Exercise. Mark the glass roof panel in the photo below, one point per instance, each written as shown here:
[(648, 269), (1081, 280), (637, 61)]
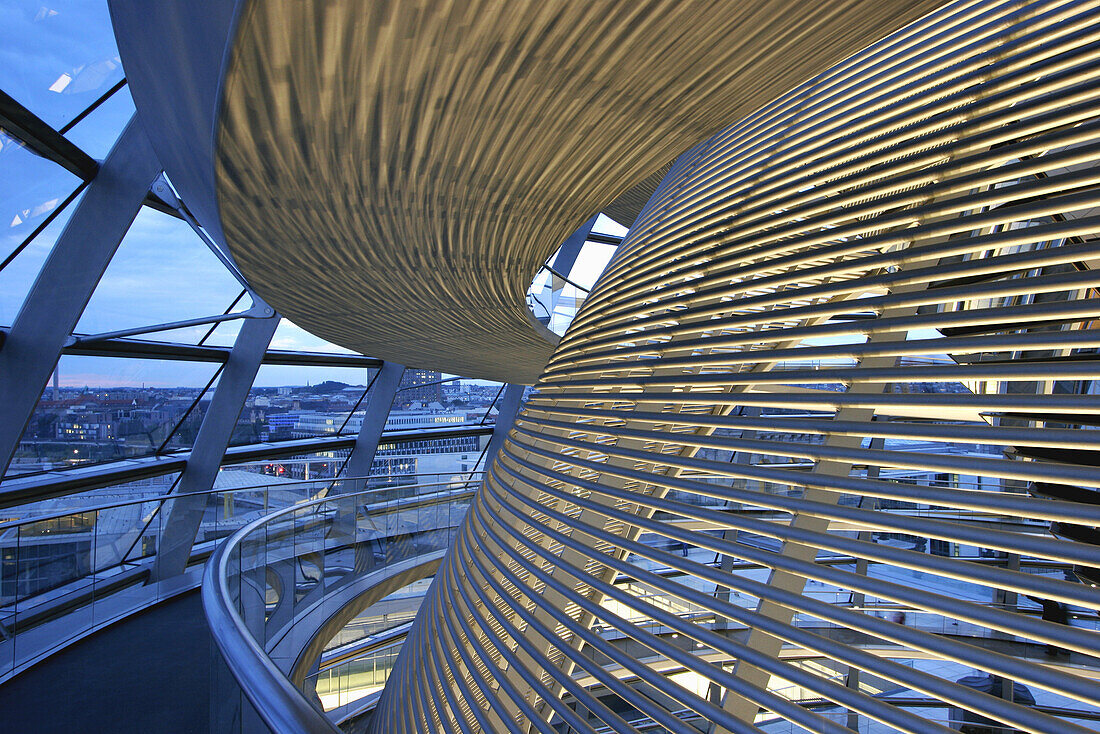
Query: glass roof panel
[(97, 132), (316, 465), (223, 334), (606, 225), (162, 272), (289, 335), (108, 408), (78, 501), (30, 188), (590, 263), (288, 402), (24, 207), (57, 56)]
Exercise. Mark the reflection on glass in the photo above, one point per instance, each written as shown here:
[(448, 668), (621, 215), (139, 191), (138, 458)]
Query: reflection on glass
[(314, 466), (80, 501), (395, 610), (57, 57), (85, 550), (292, 564), (554, 296), (97, 132), (30, 188)]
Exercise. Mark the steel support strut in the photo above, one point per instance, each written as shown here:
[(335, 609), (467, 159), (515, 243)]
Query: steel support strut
[(184, 519), (66, 282), (374, 421)]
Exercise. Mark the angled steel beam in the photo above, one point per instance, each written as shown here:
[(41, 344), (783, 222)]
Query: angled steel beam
[(210, 444), (27, 127), (572, 247), (556, 272), (257, 311), (378, 408), (46, 222), (506, 416), (155, 202), (19, 490), (605, 239), (148, 349), (92, 107), (66, 281)]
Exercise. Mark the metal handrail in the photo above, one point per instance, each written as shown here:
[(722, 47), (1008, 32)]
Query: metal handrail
[(44, 599), (281, 705), (372, 643)]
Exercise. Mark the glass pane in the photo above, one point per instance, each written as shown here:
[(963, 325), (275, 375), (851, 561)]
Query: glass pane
[(319, 465), (120, 531), (476, 401), (436, 460), (58, 56), (224, 334), (47, 561), (290, 336), (18, 276), (591, 261), (137, 489), (103, 408), (162, 272), (429, 399), (288, 402), (394, 610), (424, 403), (555, 296), (97, 132), (606, 225)]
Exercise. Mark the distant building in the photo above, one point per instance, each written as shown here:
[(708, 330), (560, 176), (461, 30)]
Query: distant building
[(320, 424), (284, 422), (84, 428), (422, 419), (420, 386)]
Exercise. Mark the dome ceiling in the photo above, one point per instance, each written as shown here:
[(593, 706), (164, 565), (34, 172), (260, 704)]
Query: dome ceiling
[(391, 175)]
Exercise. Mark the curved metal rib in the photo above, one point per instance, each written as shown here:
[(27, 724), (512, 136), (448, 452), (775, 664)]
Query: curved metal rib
[(845, 358)]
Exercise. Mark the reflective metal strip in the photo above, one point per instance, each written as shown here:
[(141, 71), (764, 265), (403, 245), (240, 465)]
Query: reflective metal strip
[(858, 323)]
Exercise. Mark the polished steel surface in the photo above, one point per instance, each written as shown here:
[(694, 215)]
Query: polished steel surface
[(844, 362), (391, 175)]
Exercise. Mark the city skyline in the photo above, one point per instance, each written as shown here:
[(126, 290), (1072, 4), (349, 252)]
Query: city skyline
[(75, 425)]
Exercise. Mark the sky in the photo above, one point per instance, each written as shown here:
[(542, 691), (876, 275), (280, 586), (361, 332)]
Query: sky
[(56, 61)]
